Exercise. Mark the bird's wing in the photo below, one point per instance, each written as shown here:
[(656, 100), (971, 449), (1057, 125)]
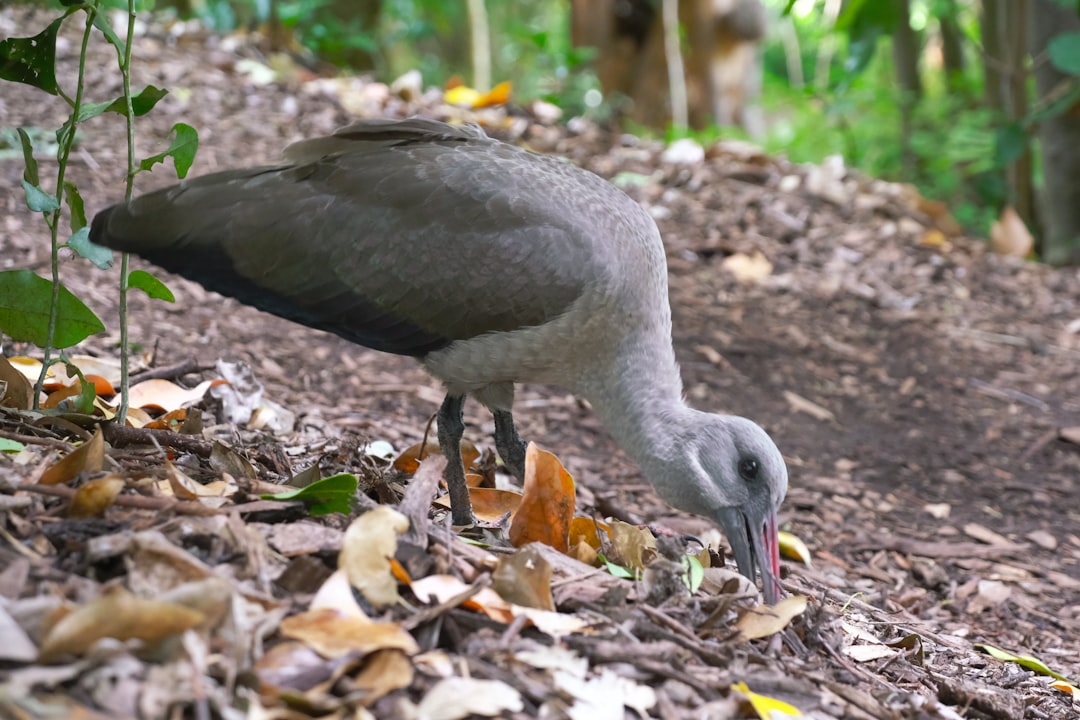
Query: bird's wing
[(397, 239)]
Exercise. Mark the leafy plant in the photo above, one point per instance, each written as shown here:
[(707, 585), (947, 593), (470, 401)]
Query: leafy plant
[(40, 310)]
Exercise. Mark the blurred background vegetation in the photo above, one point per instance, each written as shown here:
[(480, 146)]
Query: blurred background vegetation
[(953, 96)]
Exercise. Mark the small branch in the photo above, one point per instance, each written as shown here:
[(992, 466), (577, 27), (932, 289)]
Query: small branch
[(676, 71)]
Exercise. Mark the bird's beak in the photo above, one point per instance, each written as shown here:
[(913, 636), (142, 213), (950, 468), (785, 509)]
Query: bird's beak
[(756, 546)]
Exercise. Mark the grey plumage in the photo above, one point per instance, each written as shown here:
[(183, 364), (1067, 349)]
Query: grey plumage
[(490, 264)]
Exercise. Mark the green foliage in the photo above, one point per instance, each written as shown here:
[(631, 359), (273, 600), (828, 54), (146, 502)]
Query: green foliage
[(150, 285), (26, 302), (329, 495)]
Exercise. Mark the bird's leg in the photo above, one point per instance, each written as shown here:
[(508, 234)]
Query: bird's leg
[(509, 444), (451, 428)]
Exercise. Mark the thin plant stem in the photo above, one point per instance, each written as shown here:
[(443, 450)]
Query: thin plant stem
[(125, 260), (67, 139)]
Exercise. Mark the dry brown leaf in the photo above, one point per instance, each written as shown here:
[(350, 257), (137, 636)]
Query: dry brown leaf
[(94, 497), (334, 635), (765, 620), (409, 459), (586, 530), (547, 505), (89, 457), (336, 594), (524, 578), (18, 392), (631, 546), (289, 667), (383, 672), (1010, 236), (369, 545), (116, 614)]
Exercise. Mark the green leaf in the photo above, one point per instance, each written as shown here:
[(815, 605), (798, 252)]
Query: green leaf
[(695, 574), (32, 60), (75, 203), (11, 445), (84, 402), (182, 150), (333, 494), (1064, 52), (150, 285), (80, 243), (101, 22), (141, 104), (617, 570), (1010, 142), (38, 200), (24, 311), (1031, 663), (30, 174)]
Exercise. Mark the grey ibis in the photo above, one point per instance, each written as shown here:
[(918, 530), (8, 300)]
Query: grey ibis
[(490, 264)]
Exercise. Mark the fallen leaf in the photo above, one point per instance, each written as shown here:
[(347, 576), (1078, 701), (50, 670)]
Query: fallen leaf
[(765, 620), (335, 635), (164, 395), (445, 587), (868, 653), (547, 505), (490, 505), (792, 547), (1028, 661), (458, 697), (631, 546), (116, 614), (369, 545), (767, 708), (409, 459), (1010, 236), (383, 672), (17, 391), (524, 578), (88, 457), (94, 497), (605, 695)]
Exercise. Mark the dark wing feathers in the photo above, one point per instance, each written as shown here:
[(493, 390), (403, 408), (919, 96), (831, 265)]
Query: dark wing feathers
[(399, 236)]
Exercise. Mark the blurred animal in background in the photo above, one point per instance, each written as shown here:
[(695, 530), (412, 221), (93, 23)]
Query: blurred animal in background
[(722, 47)]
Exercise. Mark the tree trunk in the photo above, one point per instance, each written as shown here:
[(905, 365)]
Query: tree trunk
[(1059, 241), (990, 27), (906, 61), (1015, 98), (952, 47)]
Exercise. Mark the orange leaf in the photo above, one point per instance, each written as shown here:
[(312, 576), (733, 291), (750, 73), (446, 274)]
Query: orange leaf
[(583, 529), (498, 95), (90, 456), (547, 505), (409, 458), (489, 504)]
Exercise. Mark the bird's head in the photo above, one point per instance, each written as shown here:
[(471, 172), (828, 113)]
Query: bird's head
[(737, 478)]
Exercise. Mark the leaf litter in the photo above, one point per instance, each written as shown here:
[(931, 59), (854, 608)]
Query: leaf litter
[(873, 253)]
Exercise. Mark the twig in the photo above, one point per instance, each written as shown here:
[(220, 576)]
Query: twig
[(158, 503), (170, 372)]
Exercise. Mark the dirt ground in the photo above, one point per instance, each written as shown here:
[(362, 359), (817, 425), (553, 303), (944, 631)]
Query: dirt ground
[(916, 383)]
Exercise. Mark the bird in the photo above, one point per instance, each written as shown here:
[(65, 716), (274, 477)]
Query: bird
[(490, 264)]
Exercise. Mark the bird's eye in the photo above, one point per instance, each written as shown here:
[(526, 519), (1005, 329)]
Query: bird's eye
[(748, 469)]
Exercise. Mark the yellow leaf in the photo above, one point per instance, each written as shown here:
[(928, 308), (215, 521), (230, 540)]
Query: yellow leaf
[(1010, 236), (792, 547), (1067, 687), (462, 95), (1031, 663), (767, 708)]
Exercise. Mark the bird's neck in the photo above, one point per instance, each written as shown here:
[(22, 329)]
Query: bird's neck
[(642, 406)]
